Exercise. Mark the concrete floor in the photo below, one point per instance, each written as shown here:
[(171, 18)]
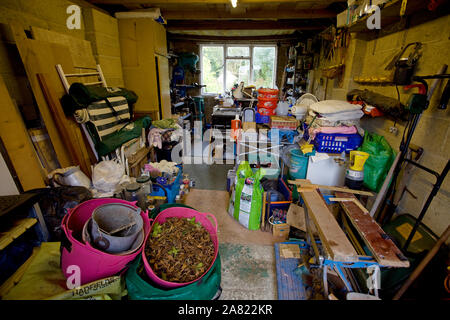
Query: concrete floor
[(211, 177), (248, 258)]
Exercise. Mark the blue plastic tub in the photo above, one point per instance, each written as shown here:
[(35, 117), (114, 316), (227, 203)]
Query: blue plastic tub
[(172, 189)]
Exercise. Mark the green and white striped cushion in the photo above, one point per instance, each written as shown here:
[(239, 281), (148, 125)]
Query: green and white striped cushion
[(102, 116)]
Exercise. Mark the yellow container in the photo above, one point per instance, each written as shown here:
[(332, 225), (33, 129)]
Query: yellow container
[(357, 160), (307, 148)]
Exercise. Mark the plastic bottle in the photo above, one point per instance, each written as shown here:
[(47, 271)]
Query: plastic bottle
[(235, 126)]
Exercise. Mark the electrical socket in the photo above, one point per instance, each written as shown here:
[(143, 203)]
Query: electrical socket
[(393, 130)]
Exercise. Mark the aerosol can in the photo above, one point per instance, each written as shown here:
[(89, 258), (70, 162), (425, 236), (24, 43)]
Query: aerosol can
[(354, 177)]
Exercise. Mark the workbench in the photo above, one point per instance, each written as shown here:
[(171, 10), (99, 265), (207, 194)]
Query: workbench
[(337, 247)]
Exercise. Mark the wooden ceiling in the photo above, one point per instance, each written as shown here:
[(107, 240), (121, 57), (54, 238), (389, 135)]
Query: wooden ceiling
[(215, 16)]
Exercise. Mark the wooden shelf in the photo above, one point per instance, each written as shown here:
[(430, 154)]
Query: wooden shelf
[(390, 13), (19, 228)]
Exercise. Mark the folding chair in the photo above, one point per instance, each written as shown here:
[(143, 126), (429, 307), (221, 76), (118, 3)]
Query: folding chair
[(128, 147)]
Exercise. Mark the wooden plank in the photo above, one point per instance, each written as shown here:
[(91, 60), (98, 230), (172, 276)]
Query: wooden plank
[(305, 183), (139, 67), (19, 228), (182, 2), (80, 52), (241, 25), (354, 200), (263, 218), (288, 38), (164, 85), (42, 57), (384, 250), (18, 144), (80, 49), (249, 14), (59, 118), (44, 148), (333, 238), (33, 55)]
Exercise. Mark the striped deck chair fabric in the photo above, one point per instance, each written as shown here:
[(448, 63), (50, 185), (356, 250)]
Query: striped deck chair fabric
[(109, 116)]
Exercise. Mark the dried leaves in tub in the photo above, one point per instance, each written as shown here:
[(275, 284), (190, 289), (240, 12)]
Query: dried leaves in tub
[(179, 250)]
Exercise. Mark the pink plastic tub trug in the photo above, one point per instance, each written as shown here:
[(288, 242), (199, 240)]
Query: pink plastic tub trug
[(181, 212), (92, 263)]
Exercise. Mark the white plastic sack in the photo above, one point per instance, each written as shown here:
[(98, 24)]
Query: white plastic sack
[(107, 175)]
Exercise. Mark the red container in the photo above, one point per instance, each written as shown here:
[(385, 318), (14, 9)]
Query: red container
[(266, 112), (180, 212), (266, 93), (267, 103)]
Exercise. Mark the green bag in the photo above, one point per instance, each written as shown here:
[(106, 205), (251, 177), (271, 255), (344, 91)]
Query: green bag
[(207, 288), (248, 202), (85, 95), (243, 172), (152, 214), (378, 164)]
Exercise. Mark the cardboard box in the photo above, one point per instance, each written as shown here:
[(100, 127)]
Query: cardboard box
[(296, 217), (248, 125), (283, 122), (281, 231)]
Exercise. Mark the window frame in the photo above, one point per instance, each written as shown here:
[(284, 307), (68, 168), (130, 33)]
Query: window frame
[(225, 47)]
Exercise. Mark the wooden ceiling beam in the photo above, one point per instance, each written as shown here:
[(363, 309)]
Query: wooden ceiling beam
[(240, 25), (184, 2), (249, 14), (270, 38)]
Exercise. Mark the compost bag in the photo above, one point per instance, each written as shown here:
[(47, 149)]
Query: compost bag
[(242, 173), (248, 196), (379, 162), (140, 288)]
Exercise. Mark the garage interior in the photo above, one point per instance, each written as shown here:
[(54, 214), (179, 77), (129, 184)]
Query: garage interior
[(253, 149)]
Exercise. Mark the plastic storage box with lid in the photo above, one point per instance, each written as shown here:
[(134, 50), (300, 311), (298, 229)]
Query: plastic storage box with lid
[(334, 142), (172, 188)]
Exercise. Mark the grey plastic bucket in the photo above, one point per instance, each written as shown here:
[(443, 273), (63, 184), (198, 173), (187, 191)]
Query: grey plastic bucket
[(113, 216)]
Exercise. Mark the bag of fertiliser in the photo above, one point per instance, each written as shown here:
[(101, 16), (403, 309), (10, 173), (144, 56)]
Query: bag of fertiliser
[(244, 171), (248, 200)]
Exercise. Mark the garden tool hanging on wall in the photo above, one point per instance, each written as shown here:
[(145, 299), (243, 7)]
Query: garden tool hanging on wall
[(404, 67)]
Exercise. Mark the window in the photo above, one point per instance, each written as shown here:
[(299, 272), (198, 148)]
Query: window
[(223, 66)]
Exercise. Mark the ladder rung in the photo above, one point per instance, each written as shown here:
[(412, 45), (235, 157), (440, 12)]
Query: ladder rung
[(82, 74), (91, 83)]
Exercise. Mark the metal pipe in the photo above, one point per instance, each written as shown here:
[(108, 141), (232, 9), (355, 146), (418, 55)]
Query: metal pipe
[(433, 193), (436, 76), (423, 168)]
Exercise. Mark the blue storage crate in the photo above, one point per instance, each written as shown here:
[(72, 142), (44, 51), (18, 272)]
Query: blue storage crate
[(284, 189), (334, 142), (261, 118), (172, 189)]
